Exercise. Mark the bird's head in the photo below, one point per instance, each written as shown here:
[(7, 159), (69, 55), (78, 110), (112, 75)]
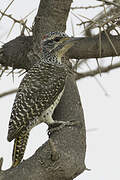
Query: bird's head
[(57, 43)]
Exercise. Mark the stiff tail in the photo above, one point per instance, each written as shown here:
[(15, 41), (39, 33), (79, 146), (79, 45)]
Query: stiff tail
[(19, 148)]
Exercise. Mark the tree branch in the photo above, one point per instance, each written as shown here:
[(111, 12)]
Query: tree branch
[(14, 53), (86, 47), (8, 93)]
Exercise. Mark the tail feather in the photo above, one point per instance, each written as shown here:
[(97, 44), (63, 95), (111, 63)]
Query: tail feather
[(19, 148)]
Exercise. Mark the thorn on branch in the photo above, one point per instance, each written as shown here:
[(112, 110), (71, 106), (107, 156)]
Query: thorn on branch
[(2, 71), (6, 9), (87, 169), (23, 72), (11, 72)]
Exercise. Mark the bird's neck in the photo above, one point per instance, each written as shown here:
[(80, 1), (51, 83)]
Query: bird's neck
[(51, 58)]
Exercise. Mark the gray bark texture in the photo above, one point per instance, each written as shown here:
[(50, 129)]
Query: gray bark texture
[(69, 142)]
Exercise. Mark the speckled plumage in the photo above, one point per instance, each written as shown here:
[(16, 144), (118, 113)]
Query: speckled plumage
[(38, 94)]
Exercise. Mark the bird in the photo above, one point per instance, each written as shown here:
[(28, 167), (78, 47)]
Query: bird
[(39, 92)]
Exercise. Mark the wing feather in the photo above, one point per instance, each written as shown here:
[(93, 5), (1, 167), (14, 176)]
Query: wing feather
[(38, 90)]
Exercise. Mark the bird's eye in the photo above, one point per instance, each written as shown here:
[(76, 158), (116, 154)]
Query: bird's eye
[(57, 39)]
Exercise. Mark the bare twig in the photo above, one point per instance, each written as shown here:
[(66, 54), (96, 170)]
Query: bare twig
[(100, 44), (21, 21), (29, 14), (6, 9), (86, 7), (11, 29), (110, 3), (92, 20), (98, 66), (76, 16), (8, 93), (110, 41), (3, 70), (96, 71), (106, 17), (72, 25)]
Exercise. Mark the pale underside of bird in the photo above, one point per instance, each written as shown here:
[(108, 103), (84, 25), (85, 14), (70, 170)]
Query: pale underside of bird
[(39, 92)]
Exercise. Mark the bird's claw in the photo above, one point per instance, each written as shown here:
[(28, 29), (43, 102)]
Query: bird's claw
[(57, 125)]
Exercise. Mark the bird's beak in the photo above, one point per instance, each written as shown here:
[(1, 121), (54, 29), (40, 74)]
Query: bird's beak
[(69, 40), (66, 44)]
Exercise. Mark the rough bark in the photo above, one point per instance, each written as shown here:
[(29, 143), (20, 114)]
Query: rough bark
[(14, 53), (70, 142), (89, 47)]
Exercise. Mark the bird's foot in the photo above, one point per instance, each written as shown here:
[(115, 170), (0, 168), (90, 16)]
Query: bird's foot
[(57, 125)]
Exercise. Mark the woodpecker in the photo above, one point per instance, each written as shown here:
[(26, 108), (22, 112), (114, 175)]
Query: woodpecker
[(39, 92)]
